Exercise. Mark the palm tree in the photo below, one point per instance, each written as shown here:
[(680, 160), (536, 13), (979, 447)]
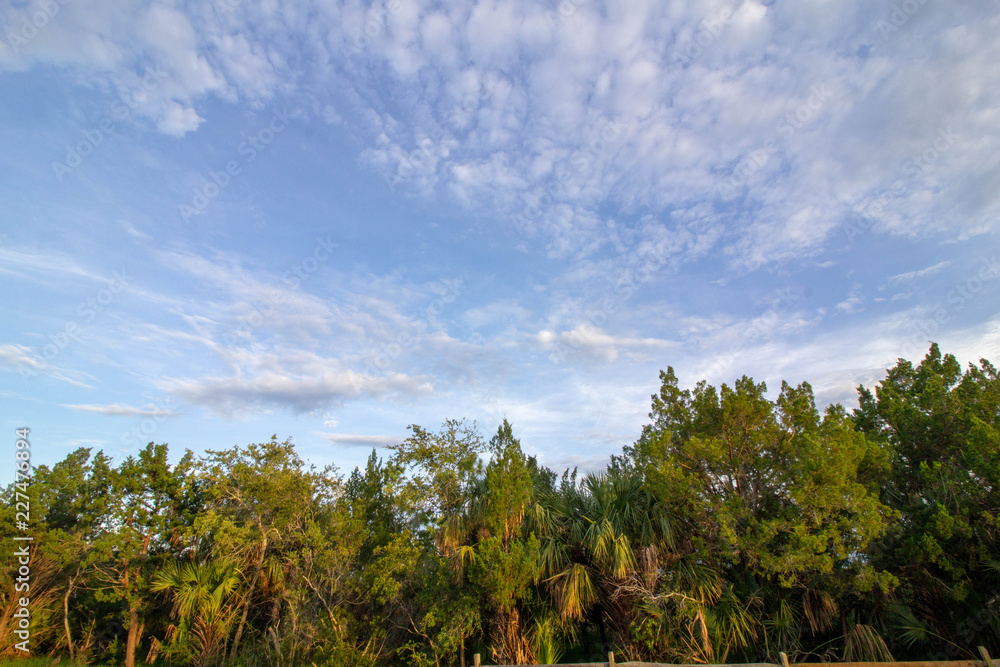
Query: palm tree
[(602, 545), (205, 602)]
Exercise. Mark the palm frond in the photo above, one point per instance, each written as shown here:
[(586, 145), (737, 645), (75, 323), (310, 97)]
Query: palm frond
[(574, 591), (820, 610), (548, 648), (864, 644), (552, 557), (732, 623), (909, 629), (698, 580)]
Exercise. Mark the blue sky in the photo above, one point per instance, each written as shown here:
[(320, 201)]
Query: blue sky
[(227, 220)]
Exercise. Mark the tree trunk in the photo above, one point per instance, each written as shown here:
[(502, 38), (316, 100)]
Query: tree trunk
[(134, 626), (69, 637), (134, 634), (243, 617), (253, 587)]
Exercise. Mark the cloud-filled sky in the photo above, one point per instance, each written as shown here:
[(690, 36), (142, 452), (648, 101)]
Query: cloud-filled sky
[(329, 220)]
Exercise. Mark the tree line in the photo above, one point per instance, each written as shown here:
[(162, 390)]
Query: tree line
[(736, 527)]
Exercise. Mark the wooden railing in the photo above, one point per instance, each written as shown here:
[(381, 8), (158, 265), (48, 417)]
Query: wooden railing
[(986, 661)]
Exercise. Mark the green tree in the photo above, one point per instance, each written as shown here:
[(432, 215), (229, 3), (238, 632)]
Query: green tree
[(261, 503), (388, 568), (943, 429), (73, 499), (443, 470), (774, 500), (145, 511), (506, 560), (442, 467)]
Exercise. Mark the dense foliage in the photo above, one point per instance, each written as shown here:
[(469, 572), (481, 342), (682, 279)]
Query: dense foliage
[(736, 527)]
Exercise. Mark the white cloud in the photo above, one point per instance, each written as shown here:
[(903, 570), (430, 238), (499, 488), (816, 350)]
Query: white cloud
[(19, 355), (351, 440), (178, 120), (544, 83), (117, 46), (914, 275), (121, 410), (852, 304), (50, 268), (29, 363), (297, 380), (593, 342), (247, 65)]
